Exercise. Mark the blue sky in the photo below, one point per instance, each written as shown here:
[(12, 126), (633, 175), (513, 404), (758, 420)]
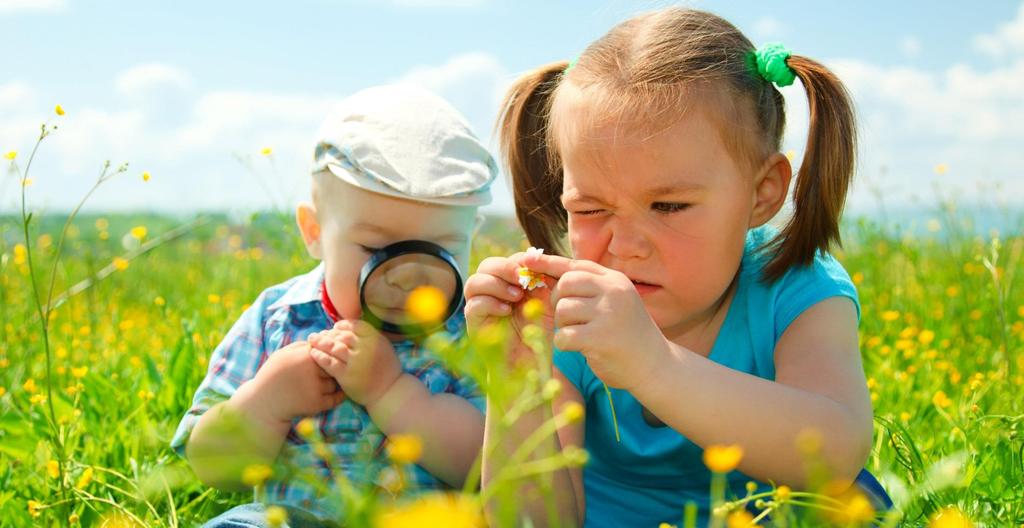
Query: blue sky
[(191, 91)]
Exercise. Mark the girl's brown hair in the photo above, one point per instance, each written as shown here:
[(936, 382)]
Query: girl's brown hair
[(643, 73)]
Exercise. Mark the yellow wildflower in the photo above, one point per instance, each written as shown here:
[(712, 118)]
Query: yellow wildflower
[(739, 519), (256, 474), (573, 411), (145, 176), (34, 507), (858, 509), (941, 400), (159, 301), (2, 392), (904, 416), (941, 169), (890, 315), (213, 298), (783, 493), (722, 459), (79, 372), (437, 509), (305, 428), (666, 525), (37, 399), (102, 224), (533, 309), (73, 518), (926, 337), (405, 449), (858, 278), (266, 151), (120, 263), (426, 304), (276, 516), (53, 469), (950, 517), (84, 479), (139, 232), (59, 110), (952, 291), (11, 155), (30, 386)]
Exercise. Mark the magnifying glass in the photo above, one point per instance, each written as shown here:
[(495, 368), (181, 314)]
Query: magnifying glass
[(395, 272)]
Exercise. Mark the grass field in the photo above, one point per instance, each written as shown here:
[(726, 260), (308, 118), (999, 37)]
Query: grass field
[(89, 405)]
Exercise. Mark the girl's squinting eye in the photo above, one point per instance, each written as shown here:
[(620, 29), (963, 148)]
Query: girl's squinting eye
[(588, 212), (669, 207), (368, 249)]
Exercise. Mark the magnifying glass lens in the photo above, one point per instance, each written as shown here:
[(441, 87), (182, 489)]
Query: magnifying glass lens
[(409, 290)]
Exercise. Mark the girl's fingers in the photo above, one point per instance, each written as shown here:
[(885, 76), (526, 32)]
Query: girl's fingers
[(479, 309), (573, 311), (556, 266), (501, 267), (489, 285), (575, 284), (570, 338)]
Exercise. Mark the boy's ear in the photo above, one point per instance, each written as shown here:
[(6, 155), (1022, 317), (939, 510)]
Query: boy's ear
[(309, 226), (771, 188)]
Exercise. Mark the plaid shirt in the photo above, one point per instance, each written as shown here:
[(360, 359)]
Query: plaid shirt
[(290, 312)]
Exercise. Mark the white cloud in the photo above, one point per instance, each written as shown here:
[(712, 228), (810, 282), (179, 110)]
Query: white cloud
[(190, 146), (768, 27), (146, 78), (14, 6), (15, 94), (910, 46), (1006, 40)]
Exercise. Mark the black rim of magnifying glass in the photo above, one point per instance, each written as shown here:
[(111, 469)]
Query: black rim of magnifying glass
[(398, 249)]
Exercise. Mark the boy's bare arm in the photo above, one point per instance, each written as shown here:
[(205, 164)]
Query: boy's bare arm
[(450, 427), (232, 435), (250, 428)]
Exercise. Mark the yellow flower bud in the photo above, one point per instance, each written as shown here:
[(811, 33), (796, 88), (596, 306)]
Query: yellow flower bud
[(405, 449), (722, 459)]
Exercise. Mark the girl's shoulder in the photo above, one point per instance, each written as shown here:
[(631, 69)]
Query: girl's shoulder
[(801, 286)]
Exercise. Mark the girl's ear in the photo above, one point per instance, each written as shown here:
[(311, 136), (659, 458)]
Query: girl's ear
[(309, 226), (771, 187)]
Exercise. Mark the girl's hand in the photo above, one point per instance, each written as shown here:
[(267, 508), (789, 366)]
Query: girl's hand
[(493, 294), (599, 313), (359, 357)]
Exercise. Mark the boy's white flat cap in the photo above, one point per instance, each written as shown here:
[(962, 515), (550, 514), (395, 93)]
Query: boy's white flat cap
[(401, 140)]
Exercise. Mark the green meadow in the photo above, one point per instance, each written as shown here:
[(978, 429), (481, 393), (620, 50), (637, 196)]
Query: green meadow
[(108, 322)]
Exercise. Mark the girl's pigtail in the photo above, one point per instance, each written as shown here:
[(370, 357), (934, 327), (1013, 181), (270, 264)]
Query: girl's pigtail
[(535, 171), (825, 172)]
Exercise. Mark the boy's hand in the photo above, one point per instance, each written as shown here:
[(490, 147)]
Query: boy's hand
[(359, 357), (493, 293), (288, 385)]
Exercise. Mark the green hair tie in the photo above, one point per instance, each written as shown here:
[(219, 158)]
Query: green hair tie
[(572, 63), (771, 64)]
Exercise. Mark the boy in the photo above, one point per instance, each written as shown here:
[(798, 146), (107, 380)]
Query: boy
[(393, 163)]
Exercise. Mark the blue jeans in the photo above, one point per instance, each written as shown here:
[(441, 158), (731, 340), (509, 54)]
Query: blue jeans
[(254, 515)]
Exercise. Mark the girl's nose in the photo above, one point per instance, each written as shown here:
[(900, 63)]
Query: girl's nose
[(628, 241)]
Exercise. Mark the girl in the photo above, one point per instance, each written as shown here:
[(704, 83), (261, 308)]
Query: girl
[(657, 153)]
